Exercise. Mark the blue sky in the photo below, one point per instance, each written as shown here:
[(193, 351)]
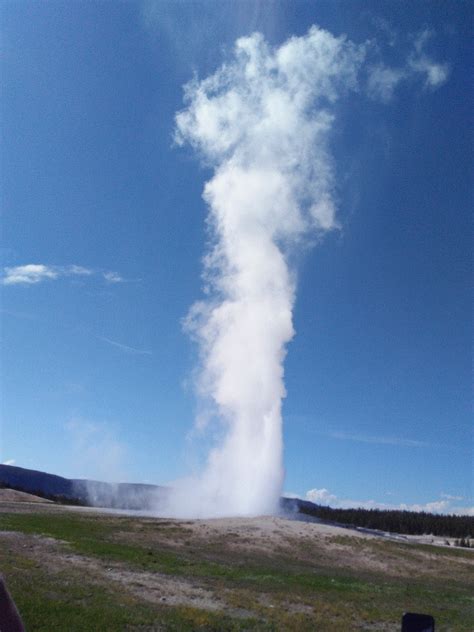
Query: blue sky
[(96, 369)]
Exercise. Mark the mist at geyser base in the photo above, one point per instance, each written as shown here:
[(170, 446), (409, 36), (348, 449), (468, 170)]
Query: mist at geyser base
[(262, 122)]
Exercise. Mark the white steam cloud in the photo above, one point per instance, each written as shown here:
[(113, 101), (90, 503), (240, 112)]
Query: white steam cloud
[(262, 121)]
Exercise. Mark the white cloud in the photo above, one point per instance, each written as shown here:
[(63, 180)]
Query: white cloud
[(80, 270), (29, 274), (383, 81), (435, 506), (113, 277), (435, 74), (32, 273), (9, 462), (445, 506), (320, 496)]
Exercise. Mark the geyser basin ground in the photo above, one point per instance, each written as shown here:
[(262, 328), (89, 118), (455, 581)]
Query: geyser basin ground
[(109, 573)]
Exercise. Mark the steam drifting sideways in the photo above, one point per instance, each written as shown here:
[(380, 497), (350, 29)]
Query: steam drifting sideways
[(262, 121)]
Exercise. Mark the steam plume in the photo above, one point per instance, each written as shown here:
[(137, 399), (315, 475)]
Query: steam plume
[(262, 122)]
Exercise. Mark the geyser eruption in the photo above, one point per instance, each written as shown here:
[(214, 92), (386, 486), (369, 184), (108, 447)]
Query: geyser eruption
[(262, 122)]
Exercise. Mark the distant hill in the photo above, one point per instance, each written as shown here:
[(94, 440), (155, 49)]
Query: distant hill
[(145, 497), (80, 491), (8, 495)]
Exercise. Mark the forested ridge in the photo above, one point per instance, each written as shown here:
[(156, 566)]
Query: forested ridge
[(409, 522)]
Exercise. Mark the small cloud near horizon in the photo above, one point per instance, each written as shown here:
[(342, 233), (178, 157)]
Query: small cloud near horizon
[(445, 505)]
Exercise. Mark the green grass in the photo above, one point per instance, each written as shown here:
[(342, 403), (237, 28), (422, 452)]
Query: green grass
[(68, 601), (269, 587), (92, 537)]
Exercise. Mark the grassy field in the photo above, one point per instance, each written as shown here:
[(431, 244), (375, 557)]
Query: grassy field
[(79, 571)]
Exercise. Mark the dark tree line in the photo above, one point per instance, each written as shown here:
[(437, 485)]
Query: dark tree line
[(409, 522)]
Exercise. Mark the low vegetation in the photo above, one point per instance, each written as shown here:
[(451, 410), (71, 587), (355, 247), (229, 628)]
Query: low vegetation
[(84, 572)]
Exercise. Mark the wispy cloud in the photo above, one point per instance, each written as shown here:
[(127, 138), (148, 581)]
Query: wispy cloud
[(324, 428), (443, 505), (435, 74), (113, 277), (379, 440), (125, 348), (384, 27), (383, 80), (79, 270), (33, 273), (451, 496), (9, 462)]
